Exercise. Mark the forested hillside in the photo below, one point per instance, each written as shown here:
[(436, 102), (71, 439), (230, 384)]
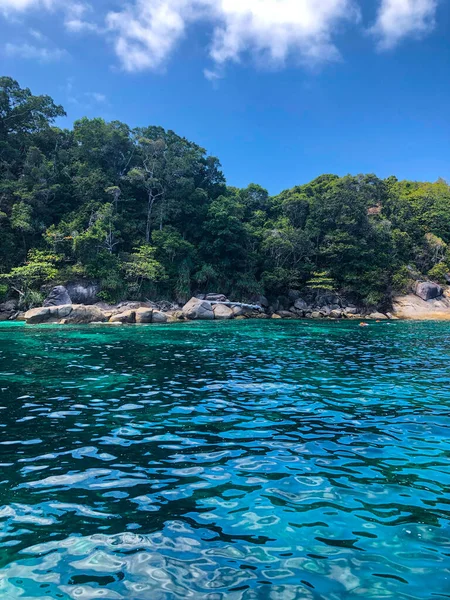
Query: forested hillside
[(148, 214)]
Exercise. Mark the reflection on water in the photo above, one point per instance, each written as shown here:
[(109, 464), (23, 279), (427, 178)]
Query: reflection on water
[(245, 460)]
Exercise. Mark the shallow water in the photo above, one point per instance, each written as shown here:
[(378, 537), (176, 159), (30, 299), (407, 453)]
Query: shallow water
[(242, 460)]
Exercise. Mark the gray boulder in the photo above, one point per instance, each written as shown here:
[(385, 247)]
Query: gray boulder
[(197, 309), (300, 304), (159, 317), (58, 297), (336, 313), (144, 315), (216, 298), (82, 293), (427, 290)]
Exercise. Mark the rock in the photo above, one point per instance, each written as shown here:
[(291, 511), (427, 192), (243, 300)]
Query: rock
[(216, 298), (286, 314), (144, 315), (159, 317), (222, 312), (9, 306), (83, 293), (178, 315), (350, 310), (293, 295), (391, 316), (58, 297), (198, 309), (85, 314), (336, 313), (275, 316), (127, 316), (300, 304), (37, 315), (261, 300), (239, 311), (377, 316), (240, 318), (283, 303), (427, 290), (325, 311), (316, 314), (5, 316)]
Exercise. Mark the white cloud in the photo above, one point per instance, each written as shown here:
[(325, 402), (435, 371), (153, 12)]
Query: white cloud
[(10, 6), (75, 18), (272, 30), (145, 33), (398, 19), (31, 52)]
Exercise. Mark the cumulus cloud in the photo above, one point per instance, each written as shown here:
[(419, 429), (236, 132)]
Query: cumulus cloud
[(31, 52), (398, 19), (147, 31)]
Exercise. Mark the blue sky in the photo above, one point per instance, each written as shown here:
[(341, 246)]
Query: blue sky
[(280, 90)]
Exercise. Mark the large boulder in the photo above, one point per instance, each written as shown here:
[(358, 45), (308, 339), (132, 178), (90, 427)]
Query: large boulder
[(8, 310), (144, 315), (222, 312), (300, 304), (261, 301), (83, 293), (198, 309), (127, 316), (216, 298), (86, 314), (58, 297), (427, 290), (47, 314), (159, 317), (37, 315)]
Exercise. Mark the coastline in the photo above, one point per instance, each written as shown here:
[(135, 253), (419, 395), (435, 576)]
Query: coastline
[(409, 307)]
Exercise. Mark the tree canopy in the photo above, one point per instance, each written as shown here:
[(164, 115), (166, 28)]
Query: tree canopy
[(148, 214)]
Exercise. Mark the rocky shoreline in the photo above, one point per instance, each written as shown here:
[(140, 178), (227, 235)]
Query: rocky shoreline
[(429, 301)]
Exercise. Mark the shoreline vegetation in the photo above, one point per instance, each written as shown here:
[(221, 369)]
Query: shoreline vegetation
[(104, 223)]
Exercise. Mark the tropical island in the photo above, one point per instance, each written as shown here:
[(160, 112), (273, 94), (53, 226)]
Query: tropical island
[(102, 222)]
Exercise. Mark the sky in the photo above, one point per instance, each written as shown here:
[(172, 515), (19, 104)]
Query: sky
[(281, 91)]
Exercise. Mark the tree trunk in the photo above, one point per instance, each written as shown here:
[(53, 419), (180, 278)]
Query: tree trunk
[(148, 229)]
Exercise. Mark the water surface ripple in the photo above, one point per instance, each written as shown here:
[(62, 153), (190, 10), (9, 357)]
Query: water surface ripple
[(228, 460)]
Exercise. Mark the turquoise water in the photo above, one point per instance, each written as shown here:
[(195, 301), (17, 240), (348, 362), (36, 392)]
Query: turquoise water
[(247, 460)]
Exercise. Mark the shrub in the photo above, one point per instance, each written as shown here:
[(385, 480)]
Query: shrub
[(438, 272)]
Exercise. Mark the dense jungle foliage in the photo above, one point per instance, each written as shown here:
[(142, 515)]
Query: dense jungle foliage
[(148, 214)]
